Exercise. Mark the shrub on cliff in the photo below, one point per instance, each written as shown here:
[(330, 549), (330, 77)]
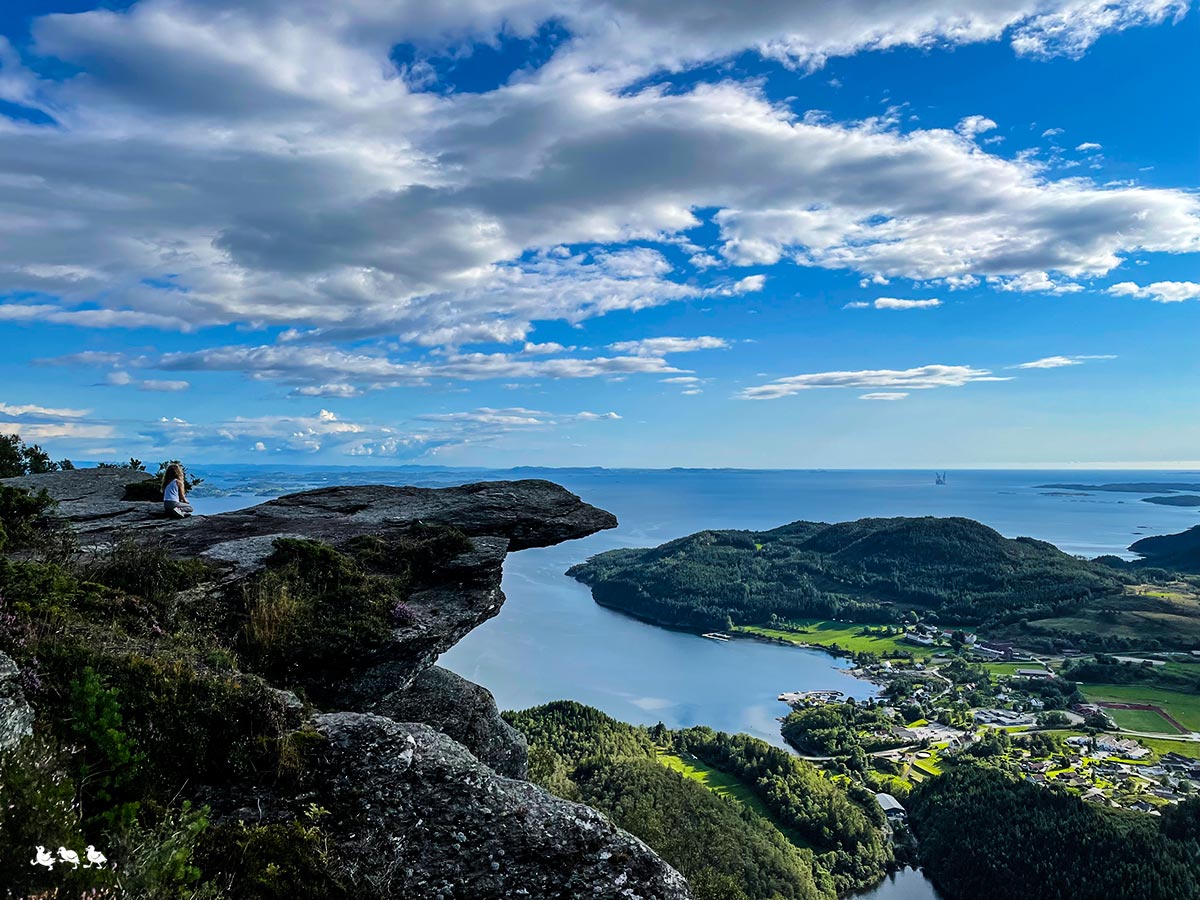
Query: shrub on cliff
[(18, 458), (23, 516)]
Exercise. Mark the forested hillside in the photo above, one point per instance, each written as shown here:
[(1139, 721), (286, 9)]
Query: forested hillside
[(987, 836), (1176, 551), (726, 850), (870, 569)]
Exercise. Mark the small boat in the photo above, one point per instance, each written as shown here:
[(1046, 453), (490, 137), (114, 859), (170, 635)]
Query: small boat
[(716, 636)]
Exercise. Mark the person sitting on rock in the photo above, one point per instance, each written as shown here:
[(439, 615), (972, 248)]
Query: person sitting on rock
[(174, 494)]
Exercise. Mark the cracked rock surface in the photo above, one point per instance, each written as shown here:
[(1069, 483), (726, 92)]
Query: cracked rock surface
[(431, 821)]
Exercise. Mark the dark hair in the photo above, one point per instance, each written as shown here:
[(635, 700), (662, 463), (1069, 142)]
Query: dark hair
[(174, 472)]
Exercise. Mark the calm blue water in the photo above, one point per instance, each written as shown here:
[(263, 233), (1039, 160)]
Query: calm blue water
[(550, 641), (907, 884)]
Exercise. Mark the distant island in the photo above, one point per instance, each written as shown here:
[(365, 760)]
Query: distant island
[(1129, 487), (1174, 500)]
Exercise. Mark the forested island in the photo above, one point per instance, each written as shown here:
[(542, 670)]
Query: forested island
[(870, 570), (1174, 500)]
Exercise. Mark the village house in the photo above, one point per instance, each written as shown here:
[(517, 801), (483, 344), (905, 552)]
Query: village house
[(891, 808), (1124, 747)]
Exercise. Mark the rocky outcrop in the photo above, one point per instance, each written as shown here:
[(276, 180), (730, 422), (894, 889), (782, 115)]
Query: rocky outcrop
[(92, 500), (498, 517), (16, 715), (429, 821), (411, 760), (463, 710)]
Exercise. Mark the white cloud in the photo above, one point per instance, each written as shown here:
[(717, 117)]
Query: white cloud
[(45, 412), (1052, 132), (122, 378), (88, 318), (680, 379), (545, 349), (1036, 282), (1088, 145), (164, 385), (41, 431), (884, 395), (663, 346), (1057, 362), (1159, 291), (921, 378), (517, 417), (342, 391), (329, 371), (895, 303), (972, 126)]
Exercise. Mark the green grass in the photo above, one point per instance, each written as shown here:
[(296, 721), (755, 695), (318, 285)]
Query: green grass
[(1009, 668), (1184, 707), (928, 766), (1141, 720), (823, 633), (1161, 746), (725, 785)]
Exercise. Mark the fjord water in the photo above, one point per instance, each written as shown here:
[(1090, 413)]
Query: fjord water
[(550, 641), (905, 884)]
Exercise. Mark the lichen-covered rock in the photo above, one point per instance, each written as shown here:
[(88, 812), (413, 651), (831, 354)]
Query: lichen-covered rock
[(463, 710), (16, 715), (417, 816)]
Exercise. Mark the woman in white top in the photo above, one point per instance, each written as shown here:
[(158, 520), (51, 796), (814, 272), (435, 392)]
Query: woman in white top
[(174, 494)]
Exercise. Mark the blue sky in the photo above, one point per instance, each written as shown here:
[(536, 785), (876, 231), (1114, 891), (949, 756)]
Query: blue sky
[(869, 234)]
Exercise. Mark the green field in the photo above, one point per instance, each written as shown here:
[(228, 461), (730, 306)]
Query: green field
[(846, 635), (725, 785), (1161, 746), (1009, 668), (1184, 707), (1141, 720)]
